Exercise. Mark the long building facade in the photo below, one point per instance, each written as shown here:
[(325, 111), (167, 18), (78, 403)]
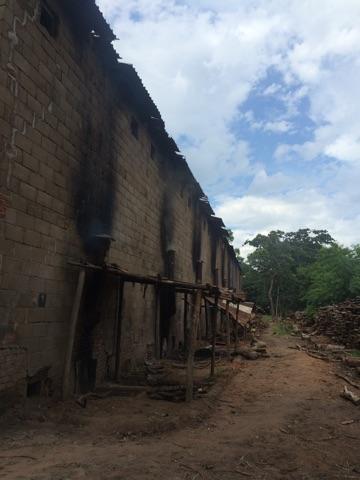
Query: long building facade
[(88, 173)]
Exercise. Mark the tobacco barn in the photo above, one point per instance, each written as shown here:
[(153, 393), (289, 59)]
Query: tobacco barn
[(105, 233)]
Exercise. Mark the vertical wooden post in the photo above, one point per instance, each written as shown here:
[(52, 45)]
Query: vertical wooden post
[(193, 323), (207, 329), (227, 325), (213, 340), (71, 339), (185, 322), (157, 322), (237, 328), (120, 295)]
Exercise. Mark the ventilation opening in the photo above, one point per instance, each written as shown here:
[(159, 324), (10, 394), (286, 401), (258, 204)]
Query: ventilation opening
[(49, 20), (33, 389), (134, 126)]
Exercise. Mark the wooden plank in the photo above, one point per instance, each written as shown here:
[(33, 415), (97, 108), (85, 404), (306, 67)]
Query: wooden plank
[(237, 328), (115, 270), (71, 339), (214, 316), (207, 329), (157, 322), (193, 324), (185, 321), (119, 302), (227, 328)]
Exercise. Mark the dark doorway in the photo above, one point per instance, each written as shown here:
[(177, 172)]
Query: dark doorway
[(167, 311)]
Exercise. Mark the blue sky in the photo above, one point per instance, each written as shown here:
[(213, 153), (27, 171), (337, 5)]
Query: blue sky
[(262, 97)]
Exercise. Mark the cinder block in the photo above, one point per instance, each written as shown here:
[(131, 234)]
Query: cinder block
[(37, 181), (22, 141), (25, 221), (30, 162), (32, 238), (44, 199), (27, 191), (13, 232)]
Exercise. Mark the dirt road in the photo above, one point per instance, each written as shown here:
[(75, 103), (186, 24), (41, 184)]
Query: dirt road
[(280, 418)]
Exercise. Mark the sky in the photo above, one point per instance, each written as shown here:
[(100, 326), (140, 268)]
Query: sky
[(262, 97)]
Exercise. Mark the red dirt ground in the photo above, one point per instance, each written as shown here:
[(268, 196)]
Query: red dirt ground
[(278, 418)]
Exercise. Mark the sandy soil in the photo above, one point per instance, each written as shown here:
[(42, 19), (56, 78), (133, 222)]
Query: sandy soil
[(278, 418)]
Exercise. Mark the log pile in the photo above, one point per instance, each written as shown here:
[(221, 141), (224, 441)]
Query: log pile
[(176, 393), (169, 384), (340, 322)]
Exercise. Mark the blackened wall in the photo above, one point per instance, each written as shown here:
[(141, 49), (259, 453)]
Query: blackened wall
[(74, 168)]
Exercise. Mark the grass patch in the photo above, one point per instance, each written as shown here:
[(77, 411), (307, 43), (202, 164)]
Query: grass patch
[(282, 328), (354, 353), (266, 319)]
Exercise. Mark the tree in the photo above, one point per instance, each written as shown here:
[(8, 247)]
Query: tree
[(329, 277), (271, 265), (333, 277), (230, 235), (274, 276), (355, 277)]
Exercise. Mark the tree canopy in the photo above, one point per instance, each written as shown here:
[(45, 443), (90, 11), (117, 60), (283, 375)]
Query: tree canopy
[(288, 271)]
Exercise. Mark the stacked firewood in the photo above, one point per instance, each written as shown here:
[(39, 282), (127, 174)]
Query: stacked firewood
[(340, 322), (169, 384)]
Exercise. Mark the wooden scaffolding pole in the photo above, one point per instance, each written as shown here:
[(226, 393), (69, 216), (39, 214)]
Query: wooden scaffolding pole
[(227, 326), (193, 324), (214, 316), (71, 339), (119, 303), (185, 322), (208, 320), (237, 328), (157, 322)]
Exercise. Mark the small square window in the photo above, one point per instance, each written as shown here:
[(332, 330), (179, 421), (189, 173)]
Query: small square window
[(49, 20), (134, 126)]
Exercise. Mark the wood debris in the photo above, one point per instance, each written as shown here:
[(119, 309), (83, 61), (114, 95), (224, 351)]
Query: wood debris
[(341, 322), (349, 395), (170, 385)]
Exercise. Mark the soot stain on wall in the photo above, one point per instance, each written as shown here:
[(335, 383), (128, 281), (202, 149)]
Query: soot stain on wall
[(214, 240), (197, 235), (94, 184)]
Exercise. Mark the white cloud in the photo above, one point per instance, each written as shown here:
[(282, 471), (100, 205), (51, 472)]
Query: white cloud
[(272, 89), (201, 59), (302, 208), (280, 126)]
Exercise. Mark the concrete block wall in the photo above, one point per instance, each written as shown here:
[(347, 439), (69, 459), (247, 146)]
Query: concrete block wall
[(70, 164), (12, 373)]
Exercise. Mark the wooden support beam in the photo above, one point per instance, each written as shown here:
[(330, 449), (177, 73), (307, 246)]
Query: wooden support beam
[(237, 328), (119, 302), (157, 322), (193, 324), (71, 338), (227, 326), (207, 330), (186, 309), (214, 316)]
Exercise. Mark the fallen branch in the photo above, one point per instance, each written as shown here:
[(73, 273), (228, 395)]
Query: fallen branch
[(319, 357), (349, 395), (348, 380), (234, 471)]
